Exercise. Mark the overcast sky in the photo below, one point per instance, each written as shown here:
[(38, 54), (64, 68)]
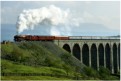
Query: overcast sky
[(106, 13), (101, 12)]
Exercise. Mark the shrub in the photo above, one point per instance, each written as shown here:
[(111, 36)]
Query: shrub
[(53, 62), (67, 68), (66, 56), (104, 73), (4, 65), (91, 72)]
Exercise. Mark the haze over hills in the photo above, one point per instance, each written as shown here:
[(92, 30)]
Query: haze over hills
[(85, 29)]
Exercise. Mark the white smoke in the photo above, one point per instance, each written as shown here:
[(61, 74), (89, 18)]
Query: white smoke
[(51, 16), (54, 31)]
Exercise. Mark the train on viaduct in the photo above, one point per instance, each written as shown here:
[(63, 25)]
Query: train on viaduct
[(93, 51)]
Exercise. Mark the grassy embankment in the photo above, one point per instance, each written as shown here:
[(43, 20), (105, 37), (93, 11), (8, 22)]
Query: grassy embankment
[(26, 60)]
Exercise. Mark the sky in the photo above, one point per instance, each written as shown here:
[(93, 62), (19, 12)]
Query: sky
[(86, 14)]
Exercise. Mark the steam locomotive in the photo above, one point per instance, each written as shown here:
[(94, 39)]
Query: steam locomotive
[(38, 38)]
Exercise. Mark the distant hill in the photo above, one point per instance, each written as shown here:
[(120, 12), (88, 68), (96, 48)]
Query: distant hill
[(91, 29), (85, 29)]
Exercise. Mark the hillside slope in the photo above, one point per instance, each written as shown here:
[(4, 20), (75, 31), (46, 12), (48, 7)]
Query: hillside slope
[(39, 54), (45, 61)]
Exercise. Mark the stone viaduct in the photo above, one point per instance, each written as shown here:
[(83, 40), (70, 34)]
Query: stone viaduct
[(94, 52)]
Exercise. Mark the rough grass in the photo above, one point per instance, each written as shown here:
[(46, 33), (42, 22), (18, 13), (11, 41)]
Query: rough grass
[(44, 57), (32, 78), (35, 57), (40, 54), (11, 67)]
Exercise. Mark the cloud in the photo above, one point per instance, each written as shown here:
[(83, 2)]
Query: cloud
[(108, 21), (102, 12), (9, 15)]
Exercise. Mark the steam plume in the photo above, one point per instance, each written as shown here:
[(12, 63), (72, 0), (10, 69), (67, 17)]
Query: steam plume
[(51, 16)]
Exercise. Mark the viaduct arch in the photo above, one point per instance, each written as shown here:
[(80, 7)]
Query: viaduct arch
[(85, 54), (119, 55), (67, 48), (115, 57), (108, 56), (94, 53), (94, 56), (76, 51), (101, 55)]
